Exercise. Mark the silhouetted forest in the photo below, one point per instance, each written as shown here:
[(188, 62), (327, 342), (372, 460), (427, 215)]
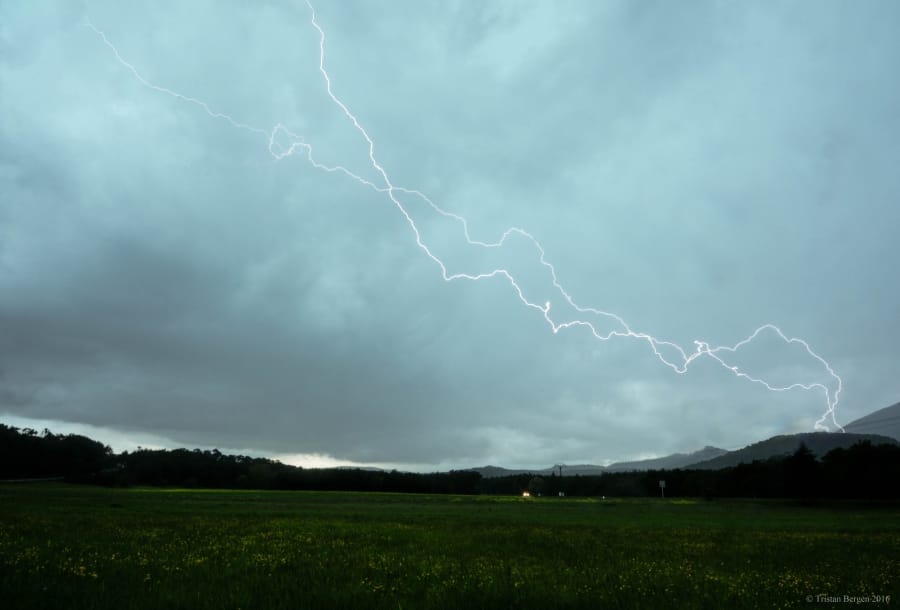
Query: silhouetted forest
[(25, 454), (864, 471)]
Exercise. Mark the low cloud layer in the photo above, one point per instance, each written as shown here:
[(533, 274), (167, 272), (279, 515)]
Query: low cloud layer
[(698, 170)]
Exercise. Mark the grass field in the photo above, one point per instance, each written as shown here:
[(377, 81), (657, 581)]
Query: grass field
[(84, 547)]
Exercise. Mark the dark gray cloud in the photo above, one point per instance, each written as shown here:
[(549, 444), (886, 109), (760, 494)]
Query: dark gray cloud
[(699, 170)]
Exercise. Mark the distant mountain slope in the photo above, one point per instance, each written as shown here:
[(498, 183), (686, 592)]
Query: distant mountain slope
[(712, 458), (819, 443), (675, 460), (884, 421), (669, 462), (492, 472)]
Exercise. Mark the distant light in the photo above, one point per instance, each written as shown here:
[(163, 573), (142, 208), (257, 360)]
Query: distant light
[(526, 494)]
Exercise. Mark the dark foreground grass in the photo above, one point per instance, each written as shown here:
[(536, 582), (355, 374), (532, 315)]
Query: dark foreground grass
[(82, 547)]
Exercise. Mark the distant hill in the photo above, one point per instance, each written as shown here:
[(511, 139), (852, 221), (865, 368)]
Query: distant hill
[(819, 443), (568, 470), (669, 462), (675, 460), (885, 422), (493, 472)]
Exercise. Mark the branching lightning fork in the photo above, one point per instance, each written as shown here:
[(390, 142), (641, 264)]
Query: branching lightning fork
[(679, 365)]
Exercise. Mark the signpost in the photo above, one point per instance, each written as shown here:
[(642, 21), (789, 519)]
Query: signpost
[(662, 489)]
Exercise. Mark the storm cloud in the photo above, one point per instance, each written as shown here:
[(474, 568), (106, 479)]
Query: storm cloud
[(699, 169)]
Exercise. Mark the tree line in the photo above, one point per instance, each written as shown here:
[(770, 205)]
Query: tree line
[(27, 454), (863, 471)]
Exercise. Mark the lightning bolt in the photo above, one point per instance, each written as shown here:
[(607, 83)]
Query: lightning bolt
[(295, 144)]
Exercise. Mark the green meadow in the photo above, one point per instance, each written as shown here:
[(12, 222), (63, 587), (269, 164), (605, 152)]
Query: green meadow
[(89, 547)]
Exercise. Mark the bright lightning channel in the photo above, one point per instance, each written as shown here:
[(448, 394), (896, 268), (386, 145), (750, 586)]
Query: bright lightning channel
[(679, 365)]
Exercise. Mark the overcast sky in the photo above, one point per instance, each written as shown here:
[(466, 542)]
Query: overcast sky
[(699, 169)]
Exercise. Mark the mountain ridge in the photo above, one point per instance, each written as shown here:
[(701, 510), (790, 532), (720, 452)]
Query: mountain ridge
[(878, 427), (819, 443), (884, 421)]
